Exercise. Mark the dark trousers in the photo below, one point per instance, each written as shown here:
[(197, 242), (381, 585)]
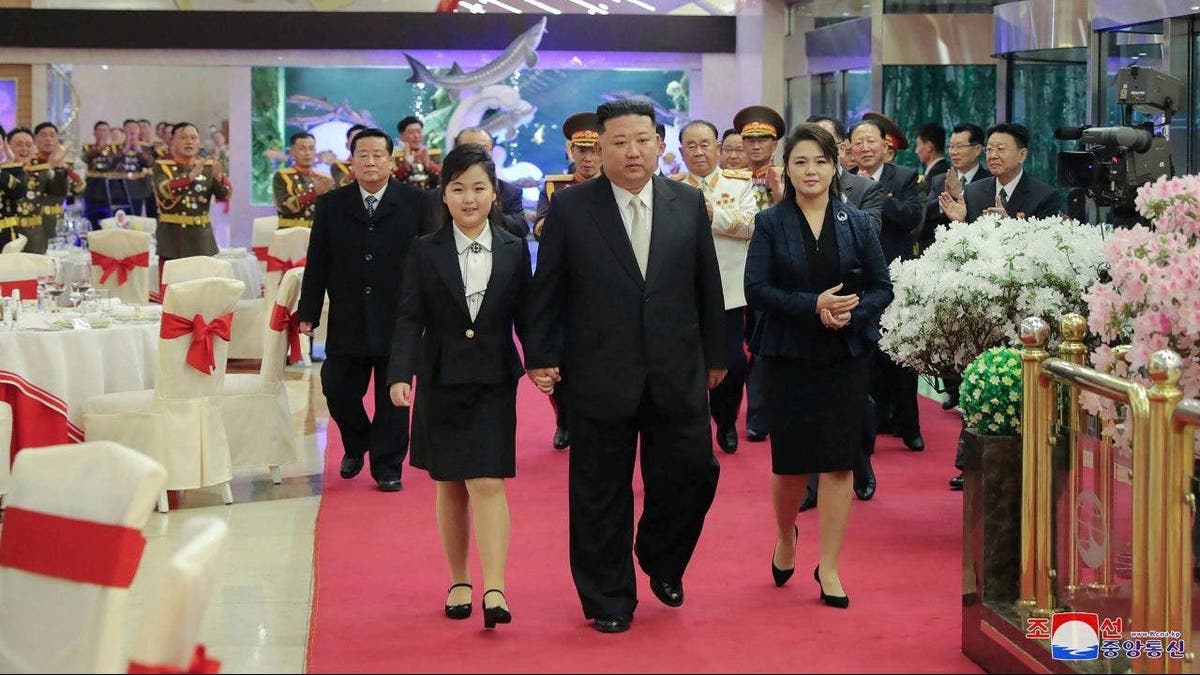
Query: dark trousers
[(756, 386), (726, 399), (562, 408), (679, 475), (895, 395), (344, 382)]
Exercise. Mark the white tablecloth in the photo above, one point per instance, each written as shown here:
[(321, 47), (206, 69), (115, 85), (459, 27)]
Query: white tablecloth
[(47, 374), (245, 268)]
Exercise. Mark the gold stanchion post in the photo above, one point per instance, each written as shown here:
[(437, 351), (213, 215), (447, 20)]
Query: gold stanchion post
[(1035, 333), (1073, 330)]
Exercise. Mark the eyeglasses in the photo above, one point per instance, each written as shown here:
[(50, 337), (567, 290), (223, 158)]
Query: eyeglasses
[(961, 146)]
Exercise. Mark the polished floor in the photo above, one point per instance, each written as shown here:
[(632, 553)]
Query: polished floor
[(257, 618)]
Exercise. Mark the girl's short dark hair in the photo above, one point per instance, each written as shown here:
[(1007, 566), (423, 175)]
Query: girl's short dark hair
[(808, 131), (455, 164)]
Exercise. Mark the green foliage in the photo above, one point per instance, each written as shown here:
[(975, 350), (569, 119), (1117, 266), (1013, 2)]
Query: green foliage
[(990, 396), (266, 114)]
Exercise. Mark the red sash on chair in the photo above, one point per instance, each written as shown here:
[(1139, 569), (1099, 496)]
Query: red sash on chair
[(200, 353), (260, 252), (279, 265), (200, 664), (281, 320), (67, 548), (121, 266), (28, 288)]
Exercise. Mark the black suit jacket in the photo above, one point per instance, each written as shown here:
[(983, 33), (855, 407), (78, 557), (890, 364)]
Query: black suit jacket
[(435, 337), (776, 264), (939, 168), (1030, 199), (902, 211), (359, 261), (613, 334), (865, 195), (934, 218), (513, 208)]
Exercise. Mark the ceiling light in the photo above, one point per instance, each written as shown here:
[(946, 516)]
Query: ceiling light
[(639, 3), (544, 7), (104, 67), (1135, 58), (501, 5)]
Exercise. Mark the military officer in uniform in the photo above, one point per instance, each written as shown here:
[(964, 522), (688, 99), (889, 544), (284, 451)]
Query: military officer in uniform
[(184, 186), (729, 196), (582, 131), (47, 184), (297, 187), (99, 156), (413, 163), (12, 185), (129, 178)]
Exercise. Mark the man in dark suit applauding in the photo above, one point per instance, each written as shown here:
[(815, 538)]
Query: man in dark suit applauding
[(507, 194), (360, 236), (1009, 192), (627, 301)]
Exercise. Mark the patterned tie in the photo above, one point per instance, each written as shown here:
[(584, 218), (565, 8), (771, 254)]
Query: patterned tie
[(639, 234), (370, 203), (1004, 198)]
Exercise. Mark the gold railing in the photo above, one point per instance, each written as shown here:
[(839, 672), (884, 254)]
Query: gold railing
[(1163, 433)]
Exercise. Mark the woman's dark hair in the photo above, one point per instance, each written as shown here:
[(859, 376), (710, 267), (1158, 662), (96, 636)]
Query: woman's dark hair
[(455, 164), (811, 132)]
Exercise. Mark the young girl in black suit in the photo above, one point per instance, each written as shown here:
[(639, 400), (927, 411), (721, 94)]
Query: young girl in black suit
[(464, 291)]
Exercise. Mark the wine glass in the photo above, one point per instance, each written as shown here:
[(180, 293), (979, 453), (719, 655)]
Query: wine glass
[(81, 284)]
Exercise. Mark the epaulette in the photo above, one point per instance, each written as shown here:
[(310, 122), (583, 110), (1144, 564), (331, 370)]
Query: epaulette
[(435, 152), (561, 178), (679, 176), (739, 174), (288, 169), (12, 165), (164, 160)]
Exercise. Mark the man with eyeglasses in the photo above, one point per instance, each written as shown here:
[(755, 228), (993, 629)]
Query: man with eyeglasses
[(966, 144), (1009, 192), (733, 150)]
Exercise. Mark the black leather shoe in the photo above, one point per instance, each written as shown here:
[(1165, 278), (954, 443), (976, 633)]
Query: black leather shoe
[(781, 576), (755, 436), (669, 592), (915, 443), (458, 611), (497, 614), (389, 485), (864, 481), (951, 402), (611, 624), (351, 466), (839, 601), (562, 439), (956, 483), (727, 438)]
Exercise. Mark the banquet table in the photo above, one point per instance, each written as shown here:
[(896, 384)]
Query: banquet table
[(47, 372), (77, 262)]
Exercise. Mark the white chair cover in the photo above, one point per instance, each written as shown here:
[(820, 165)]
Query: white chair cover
[(121, 244), (16, 245), (50, 624), (258, 419), (171, 626), (289, 247), (43, 263), (195, 267), (135, 223), (260, 238), (5, 447), (178, 423)]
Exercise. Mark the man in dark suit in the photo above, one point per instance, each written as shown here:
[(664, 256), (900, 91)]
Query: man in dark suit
[(931, 150), (895, 390), (862, 193), (1009, 192), (360, 236), (511, 204), (627, 300)]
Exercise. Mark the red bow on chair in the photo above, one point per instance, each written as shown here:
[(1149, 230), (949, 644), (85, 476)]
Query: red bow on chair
[(281, 265), (28, 288), (121, 266), (200, 354), (281, 320), (200, 664), (260, 252)]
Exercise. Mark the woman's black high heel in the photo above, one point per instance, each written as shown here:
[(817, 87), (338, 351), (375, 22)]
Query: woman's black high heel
[(782, 576), (839, 601), (458, 611), (494, 615)]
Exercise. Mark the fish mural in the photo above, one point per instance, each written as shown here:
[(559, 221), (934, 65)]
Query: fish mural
[(521, 53), (667, 117), (326, 112)]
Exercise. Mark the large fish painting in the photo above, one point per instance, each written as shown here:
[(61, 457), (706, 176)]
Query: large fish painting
[(521, 53)]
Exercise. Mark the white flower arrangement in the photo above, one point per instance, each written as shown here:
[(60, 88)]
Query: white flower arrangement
[(970, 290)]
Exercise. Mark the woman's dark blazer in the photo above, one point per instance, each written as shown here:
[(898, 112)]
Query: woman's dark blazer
[(777, 264), (435, 338)]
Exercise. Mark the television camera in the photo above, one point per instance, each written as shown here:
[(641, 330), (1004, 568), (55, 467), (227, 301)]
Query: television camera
[(1113, 162)]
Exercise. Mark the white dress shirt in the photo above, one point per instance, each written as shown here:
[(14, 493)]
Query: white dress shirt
[(878, 175), (646, 195), (378, 195), (967, 177), (1009, 187), (475, 263)]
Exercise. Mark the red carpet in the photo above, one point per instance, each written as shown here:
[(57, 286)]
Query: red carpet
[(381, 576)]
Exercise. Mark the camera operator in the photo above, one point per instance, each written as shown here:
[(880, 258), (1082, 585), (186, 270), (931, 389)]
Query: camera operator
[(1009, 192)]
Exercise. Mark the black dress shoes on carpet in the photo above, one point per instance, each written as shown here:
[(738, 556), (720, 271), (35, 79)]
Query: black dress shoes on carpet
[(669, 592), (951, 401), (461, 611), (351, 466), (389, 485), (562, 438), (611, 624), (838, 601), (755, 436), (727, 438), (956, 483), (915, 443)]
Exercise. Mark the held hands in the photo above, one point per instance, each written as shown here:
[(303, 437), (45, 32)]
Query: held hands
[(834, 321), (715, 376), (836, 304), (954, 208), (401, 394), (545, 378), (306, 327)]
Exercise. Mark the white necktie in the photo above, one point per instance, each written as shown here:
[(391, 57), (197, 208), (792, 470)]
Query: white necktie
[(639, 234), (476, 280)]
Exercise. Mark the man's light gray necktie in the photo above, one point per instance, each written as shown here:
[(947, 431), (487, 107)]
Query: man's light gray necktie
[(370, 203), (639, 233)]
